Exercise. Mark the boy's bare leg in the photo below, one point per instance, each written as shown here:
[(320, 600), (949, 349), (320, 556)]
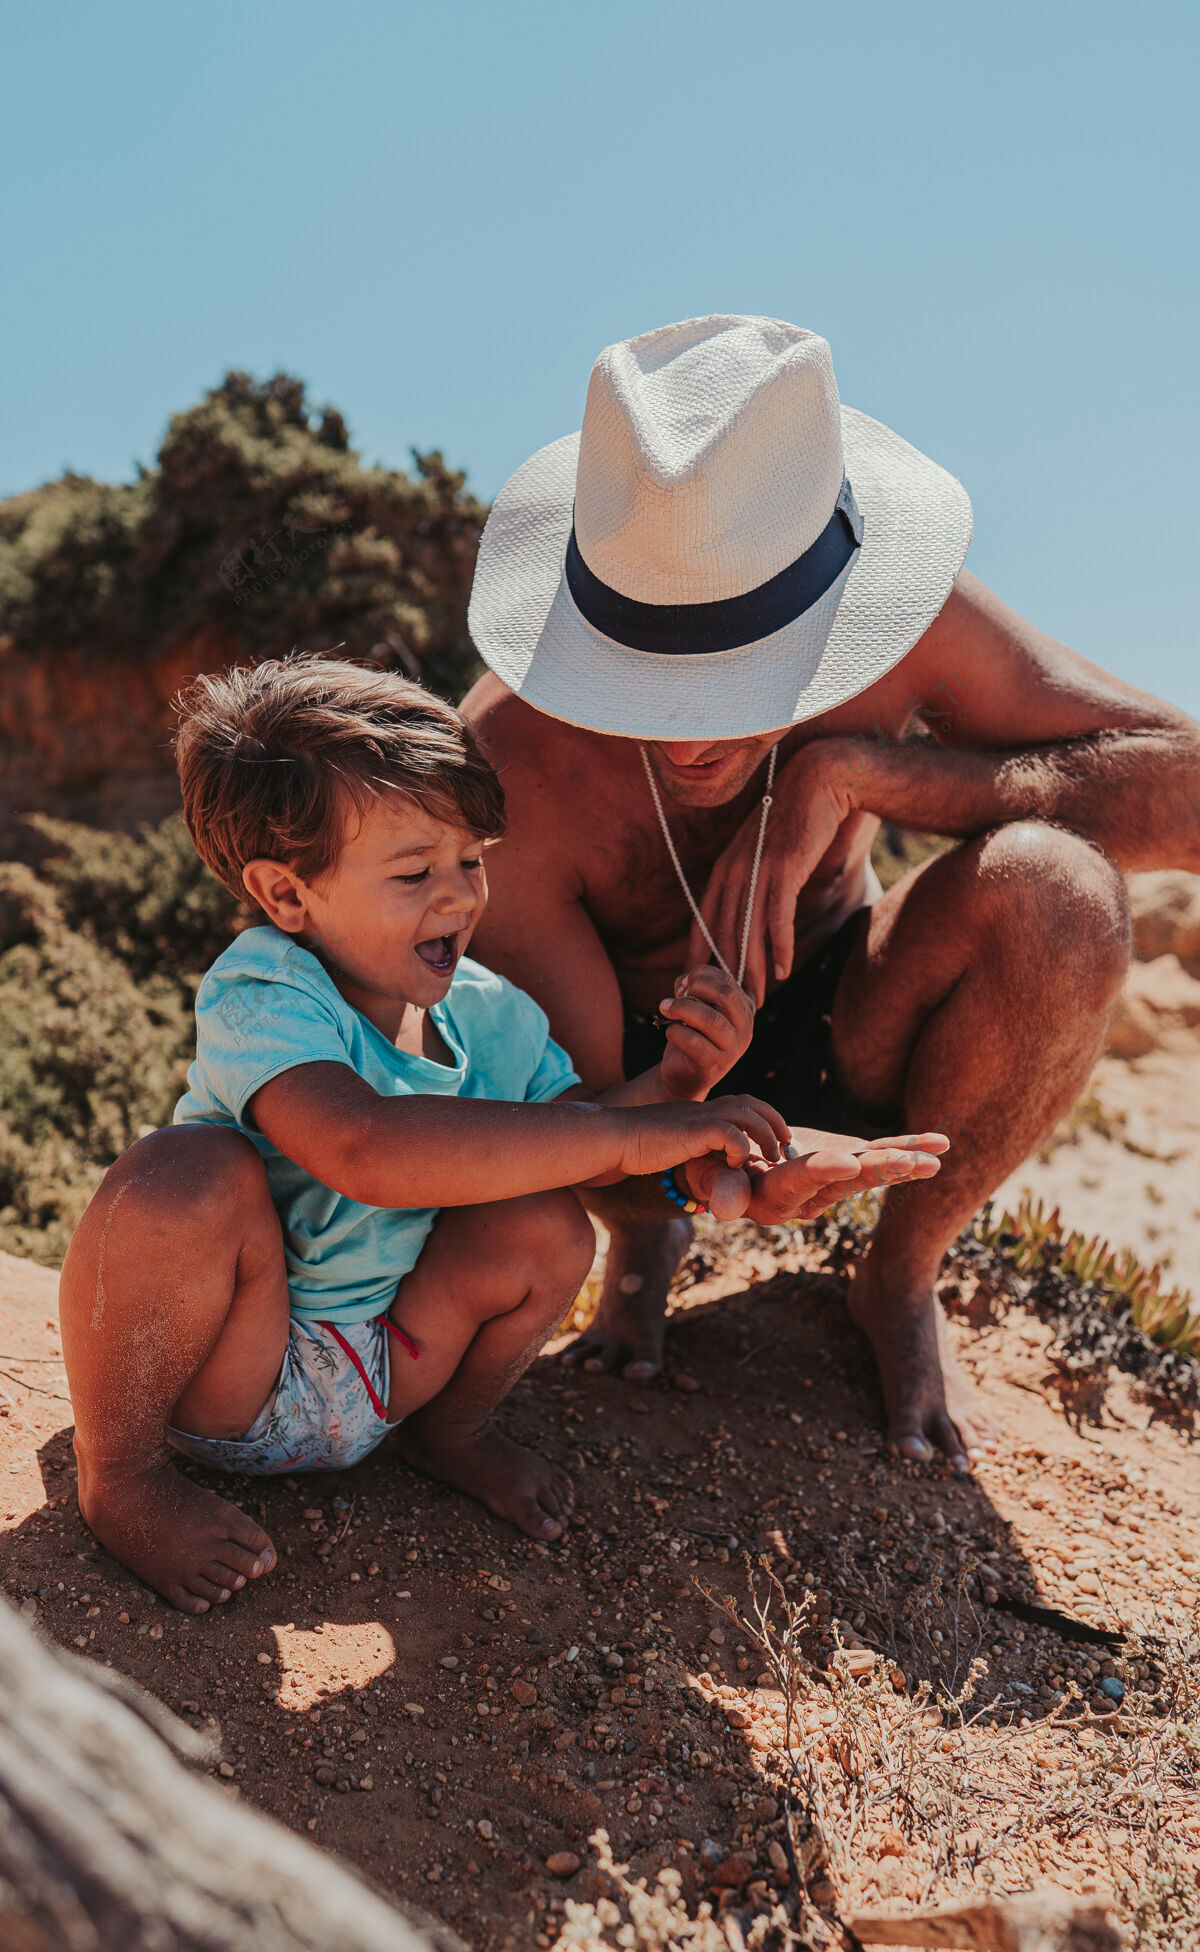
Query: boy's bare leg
[(174, 1309), (490, 1288)]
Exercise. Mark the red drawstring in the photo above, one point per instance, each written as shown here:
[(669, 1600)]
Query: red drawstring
[(400, 1336), (379, 1407)]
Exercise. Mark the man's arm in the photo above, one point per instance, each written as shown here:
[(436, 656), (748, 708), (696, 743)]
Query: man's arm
[(535, 929), (1027, 729), (534, 917), (537, 932), (1022, 729)]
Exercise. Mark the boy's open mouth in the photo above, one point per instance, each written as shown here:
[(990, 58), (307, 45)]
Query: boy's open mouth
[(439, 953)]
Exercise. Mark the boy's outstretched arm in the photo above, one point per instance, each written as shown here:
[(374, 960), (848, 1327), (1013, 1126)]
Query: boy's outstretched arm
[(432, 1151)]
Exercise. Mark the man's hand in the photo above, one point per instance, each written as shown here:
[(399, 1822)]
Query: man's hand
[(815, 793), (822, 1169), (710, 1020)]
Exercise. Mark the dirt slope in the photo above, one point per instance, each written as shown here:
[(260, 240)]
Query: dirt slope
[(1129, 1169), (455, 1710)]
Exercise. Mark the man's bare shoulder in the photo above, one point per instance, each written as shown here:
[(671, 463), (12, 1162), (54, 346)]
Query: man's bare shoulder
[(953, 647), (984, 670), (529, 748), (489, 704)]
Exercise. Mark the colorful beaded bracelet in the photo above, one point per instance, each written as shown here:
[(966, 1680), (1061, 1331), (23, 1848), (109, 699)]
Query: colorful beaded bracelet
[(670, 1186)]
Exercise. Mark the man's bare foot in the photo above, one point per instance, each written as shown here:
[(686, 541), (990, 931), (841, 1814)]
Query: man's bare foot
[(981, 1431), (193, 1547), (511, 1481), (631, 1321), (931, 1405)]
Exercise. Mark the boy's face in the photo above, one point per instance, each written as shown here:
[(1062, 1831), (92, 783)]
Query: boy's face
[(396, 911)]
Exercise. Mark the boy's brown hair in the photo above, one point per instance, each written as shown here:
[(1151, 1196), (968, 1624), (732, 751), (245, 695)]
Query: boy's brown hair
[(274, 756)]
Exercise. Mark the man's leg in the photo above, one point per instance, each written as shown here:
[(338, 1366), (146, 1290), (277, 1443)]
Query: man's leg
[(630, 1323), (977, 998), (492, 1285), (174, 1309)]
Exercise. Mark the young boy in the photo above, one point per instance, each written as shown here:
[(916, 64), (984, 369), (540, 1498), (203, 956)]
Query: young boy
[(361, 1219)]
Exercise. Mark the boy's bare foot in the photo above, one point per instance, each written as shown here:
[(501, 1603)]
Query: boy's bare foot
[(193, 1547), (631, 1321), (931, 1405), (511, 1481)]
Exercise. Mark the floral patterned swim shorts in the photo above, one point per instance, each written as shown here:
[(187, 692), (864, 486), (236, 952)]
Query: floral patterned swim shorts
[(321, 1416)]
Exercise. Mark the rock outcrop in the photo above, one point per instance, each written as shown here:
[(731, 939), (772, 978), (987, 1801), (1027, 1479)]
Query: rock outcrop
[(1160, 1004), (1166, 916), (89, 739)]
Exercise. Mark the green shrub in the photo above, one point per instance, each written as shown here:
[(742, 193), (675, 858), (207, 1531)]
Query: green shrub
[(103, 949), (259, 526), (149, 900)]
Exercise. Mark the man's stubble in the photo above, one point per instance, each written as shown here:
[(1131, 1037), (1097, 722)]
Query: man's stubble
[(741, 758)]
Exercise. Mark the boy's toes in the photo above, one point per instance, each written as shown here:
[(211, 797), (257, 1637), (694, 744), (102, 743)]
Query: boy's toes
[(214, 1592), (217, 1573), (249, 1540), (186, 1542), (250, 1561), (535, 1521), (179, 1596)]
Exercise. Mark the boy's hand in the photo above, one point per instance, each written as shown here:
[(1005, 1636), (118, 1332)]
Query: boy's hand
[(710, 1019), (726, 1131)]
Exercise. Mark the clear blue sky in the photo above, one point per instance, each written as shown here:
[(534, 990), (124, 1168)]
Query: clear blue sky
[(438, 214)]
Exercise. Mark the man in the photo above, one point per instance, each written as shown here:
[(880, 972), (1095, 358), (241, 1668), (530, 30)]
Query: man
[(724, 565)]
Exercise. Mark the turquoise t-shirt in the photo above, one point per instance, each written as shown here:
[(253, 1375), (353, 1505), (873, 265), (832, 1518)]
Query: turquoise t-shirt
[(267, 1005)]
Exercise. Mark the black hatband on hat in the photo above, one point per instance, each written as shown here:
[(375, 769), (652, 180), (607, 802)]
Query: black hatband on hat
[(692, 629)]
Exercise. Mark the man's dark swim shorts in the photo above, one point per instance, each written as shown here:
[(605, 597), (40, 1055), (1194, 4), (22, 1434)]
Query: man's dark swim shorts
[(790, 1060)]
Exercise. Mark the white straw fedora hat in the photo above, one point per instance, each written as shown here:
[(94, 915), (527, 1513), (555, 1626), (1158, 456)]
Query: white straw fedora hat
[(722, 549)]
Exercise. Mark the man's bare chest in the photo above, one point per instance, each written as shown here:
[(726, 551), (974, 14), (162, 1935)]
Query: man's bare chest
[(636, 903), (634, 897)]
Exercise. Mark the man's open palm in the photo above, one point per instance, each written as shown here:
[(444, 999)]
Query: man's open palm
[(829, 1168)]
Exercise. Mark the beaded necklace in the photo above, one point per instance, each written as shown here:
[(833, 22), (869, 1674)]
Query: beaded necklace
[(683, 880)]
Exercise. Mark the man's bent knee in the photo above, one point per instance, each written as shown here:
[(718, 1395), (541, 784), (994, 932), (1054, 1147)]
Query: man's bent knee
[(1052, 893)]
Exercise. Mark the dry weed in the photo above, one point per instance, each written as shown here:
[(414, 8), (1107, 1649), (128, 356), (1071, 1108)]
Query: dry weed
[(924, 1795), (653, 1917)]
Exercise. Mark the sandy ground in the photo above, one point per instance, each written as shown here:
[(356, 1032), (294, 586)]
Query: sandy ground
[(1129, 1169), (456, 1710)]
